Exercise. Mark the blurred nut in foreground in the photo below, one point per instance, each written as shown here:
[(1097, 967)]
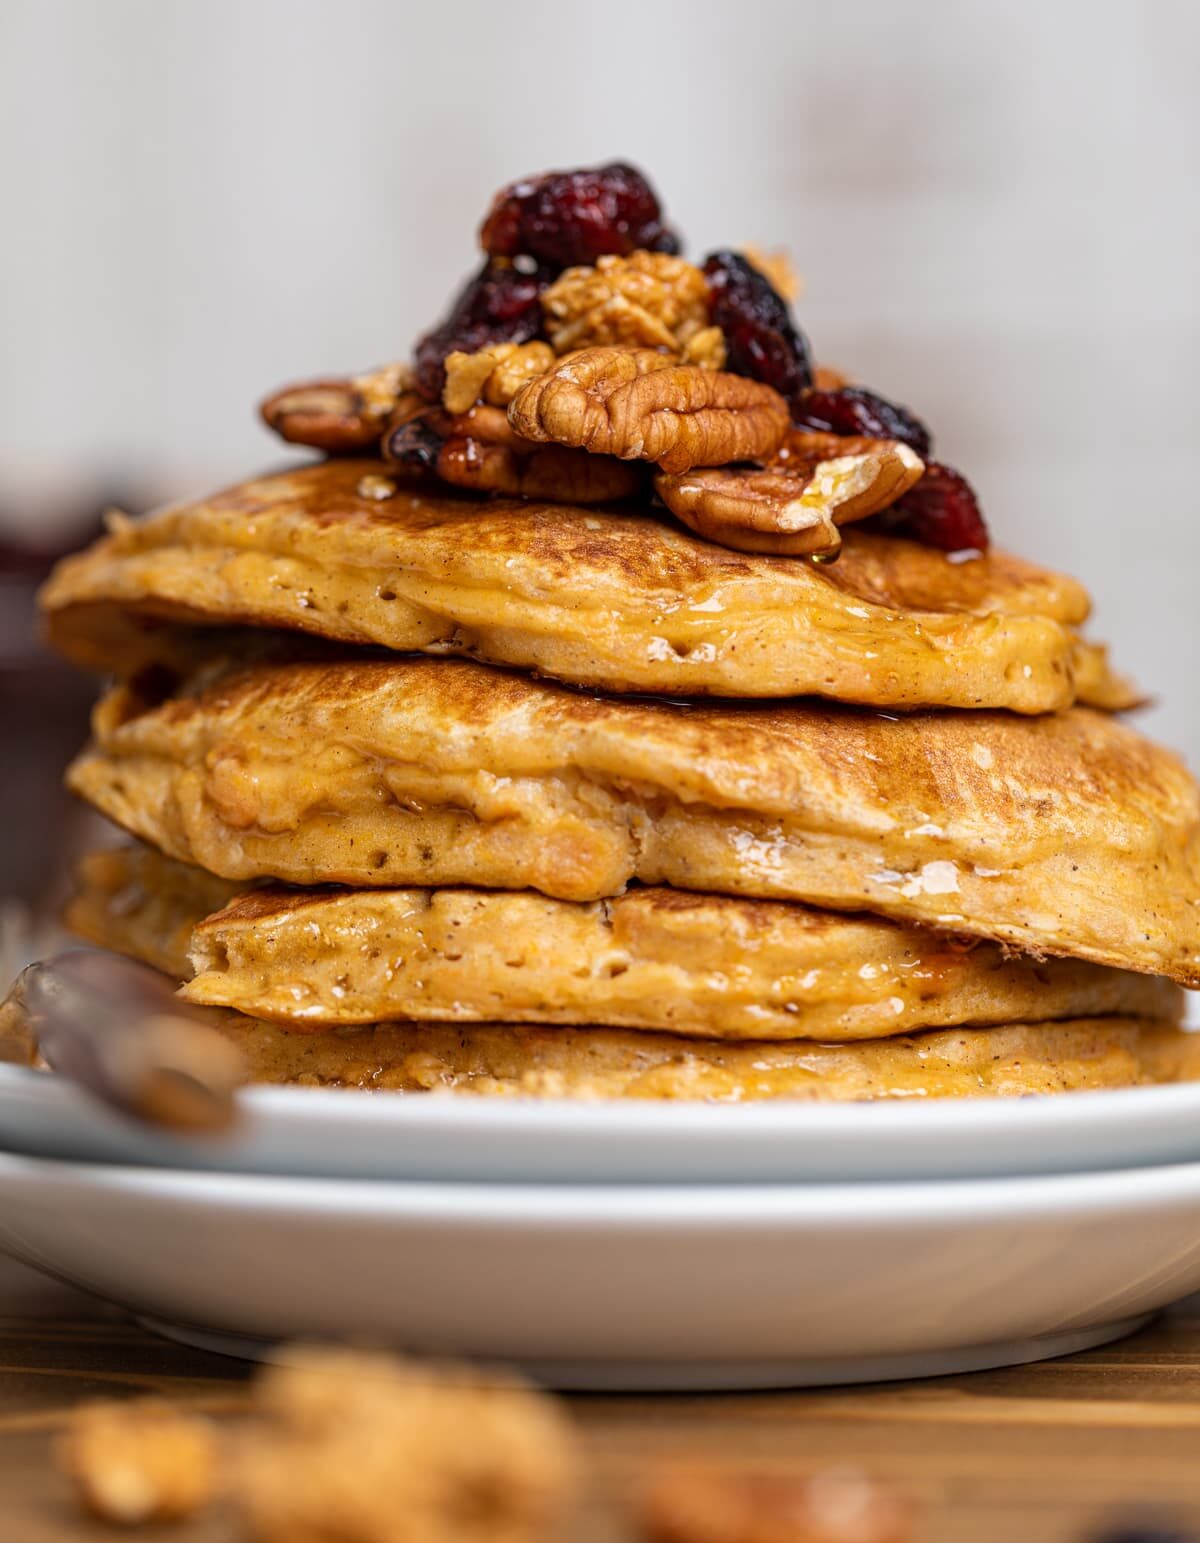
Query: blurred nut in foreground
[(355, 1448), (711, 1505), (142, 1461)]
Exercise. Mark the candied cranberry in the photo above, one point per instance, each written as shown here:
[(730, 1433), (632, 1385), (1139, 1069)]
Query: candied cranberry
[(501, 304), (942, 511), (761, 338), (853, 410), (570, 217)]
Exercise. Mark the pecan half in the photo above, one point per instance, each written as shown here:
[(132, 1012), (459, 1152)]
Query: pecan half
[(792, 507), (638, 404), (339, 414), (480, 450)]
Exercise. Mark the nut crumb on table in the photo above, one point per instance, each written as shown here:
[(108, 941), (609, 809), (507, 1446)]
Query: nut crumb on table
[(140, 1461), (690, 1504), (358, 1448)]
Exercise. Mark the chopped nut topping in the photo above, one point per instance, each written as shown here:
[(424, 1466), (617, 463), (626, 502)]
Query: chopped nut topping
[(493, 375), (711, 1505), (368, 1449), (706, 348), (645, 300), (142, 1461), (638, 404), (376, 487), (793, 506)]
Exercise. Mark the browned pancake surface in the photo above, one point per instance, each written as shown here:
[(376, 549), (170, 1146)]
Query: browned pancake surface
[(1012, 1061), (1068, 834), (652, 959), (622, 601)]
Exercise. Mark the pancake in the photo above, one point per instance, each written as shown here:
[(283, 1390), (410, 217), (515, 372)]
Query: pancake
[(503, 1061), (1067, 834), (134, 901), (622, 601), (652, 959)]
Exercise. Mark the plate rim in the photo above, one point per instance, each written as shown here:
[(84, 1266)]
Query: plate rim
[(846, 1206), (774, 1116)]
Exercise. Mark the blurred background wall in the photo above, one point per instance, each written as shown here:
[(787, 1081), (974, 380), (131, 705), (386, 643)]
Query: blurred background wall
[(993, 203)]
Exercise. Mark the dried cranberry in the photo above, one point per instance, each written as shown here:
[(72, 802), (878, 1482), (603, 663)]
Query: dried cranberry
[(761, 338), (942, 511), (499, 305), (568, 217), (853, 410)]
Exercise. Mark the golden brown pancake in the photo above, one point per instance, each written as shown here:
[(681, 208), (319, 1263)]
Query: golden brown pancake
[(652, 959), (498, 1061), (135, 901), (1067, 834), (619, 600)]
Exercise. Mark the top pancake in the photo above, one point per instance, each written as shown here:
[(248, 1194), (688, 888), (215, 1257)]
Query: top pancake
[(1065, 834), (618, 600)]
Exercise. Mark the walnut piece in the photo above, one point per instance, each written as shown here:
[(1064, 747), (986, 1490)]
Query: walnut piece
[(794, 506), (480, 450), (714, 1505), (142, 1461), (645, 300), (356, 1448), (706, 348), (340, 415), (493, 375), (635, 403)]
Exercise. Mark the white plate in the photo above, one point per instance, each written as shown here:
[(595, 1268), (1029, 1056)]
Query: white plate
[(326, 1133), (626, 1287)]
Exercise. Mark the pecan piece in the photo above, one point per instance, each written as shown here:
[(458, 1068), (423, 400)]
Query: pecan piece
[(339, 414), (687, 1504), (792, 507), (549, 472), (638, 404), (480, 450)]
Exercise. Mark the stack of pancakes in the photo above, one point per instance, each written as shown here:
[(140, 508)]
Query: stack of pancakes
[(514, 796)]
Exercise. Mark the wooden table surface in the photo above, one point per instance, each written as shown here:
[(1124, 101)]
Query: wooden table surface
[(1048, 1452)]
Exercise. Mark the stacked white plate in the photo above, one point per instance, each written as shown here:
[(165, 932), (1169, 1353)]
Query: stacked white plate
[(624, 1245)]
